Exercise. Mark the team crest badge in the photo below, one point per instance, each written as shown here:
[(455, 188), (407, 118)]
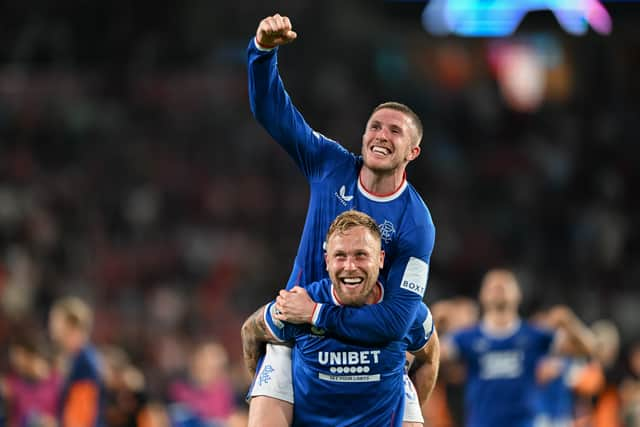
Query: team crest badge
[(387, 231)]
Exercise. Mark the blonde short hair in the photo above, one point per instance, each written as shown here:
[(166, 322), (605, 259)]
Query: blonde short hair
[(75, 312), (350, 219)]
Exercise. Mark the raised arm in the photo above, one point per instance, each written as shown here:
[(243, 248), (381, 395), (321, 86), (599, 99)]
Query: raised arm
[(578, 339), (272, 106)]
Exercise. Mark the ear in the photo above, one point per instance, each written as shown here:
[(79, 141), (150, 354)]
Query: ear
[(381, 259), (326, 262), (414, 153)]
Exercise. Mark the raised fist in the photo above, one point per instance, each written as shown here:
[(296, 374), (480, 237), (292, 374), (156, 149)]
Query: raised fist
[(275, 31)]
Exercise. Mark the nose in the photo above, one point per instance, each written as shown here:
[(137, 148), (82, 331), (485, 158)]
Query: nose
[(350, 264), (381, 134)]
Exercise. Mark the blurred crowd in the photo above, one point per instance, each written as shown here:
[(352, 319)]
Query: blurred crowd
[(598, 391), (132, 173)]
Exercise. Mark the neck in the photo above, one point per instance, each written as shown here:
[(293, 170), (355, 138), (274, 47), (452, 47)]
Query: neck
[(500, 320), (381, 183), (374, 296), (75, 341)]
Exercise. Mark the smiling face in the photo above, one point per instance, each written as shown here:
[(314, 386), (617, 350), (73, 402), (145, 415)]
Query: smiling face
[(354, 258), (390, 141)]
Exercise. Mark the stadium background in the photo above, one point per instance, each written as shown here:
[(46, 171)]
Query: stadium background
[(133, 174)]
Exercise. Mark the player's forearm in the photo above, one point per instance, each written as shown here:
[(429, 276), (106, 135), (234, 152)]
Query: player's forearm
[(427, 367), (268, 99), (254, 337), (374, 324), (581, 337)]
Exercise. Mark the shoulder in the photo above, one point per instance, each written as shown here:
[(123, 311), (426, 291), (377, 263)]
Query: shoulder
[(537, 331), (466, 334), (417, 213), (86, 362)]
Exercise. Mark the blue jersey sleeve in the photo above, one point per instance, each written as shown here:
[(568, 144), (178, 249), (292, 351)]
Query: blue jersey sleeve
[(272, 107), (421, 329), (406, 283), (282, 331)]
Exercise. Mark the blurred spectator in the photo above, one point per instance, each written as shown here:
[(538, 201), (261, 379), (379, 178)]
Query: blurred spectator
[(630, 388), (205, 397), (126, 403), (81, 401), (132, 173), (607, 404), (32, 386)]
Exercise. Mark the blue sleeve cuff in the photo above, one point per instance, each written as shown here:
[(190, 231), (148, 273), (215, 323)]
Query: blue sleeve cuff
[(275, 326)]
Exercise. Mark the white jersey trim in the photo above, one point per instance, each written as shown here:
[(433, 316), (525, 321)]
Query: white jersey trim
[(507, 333), (272, 308), (260, 48), (385, 198)]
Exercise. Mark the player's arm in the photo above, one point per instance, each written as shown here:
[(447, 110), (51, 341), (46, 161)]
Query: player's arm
[(577, 339), (272, 107), (426, 364), (81, 406), (260, 328), (424, 353)]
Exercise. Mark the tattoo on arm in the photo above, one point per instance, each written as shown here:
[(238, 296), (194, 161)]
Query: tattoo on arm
[(255, 335)]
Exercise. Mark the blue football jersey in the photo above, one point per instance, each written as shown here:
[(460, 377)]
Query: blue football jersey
[(85, 367), (333, 174), (347, 383), (557, 397), (500, 388)]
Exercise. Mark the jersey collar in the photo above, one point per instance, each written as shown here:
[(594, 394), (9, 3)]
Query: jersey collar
[(383, 197), (507, 333)]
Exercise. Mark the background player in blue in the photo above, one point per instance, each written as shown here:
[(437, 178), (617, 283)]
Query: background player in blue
[(501, 354), (344, 383), (82, 397), (374, 183)]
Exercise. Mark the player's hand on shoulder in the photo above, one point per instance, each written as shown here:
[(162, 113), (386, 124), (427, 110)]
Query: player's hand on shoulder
[(275, 30)]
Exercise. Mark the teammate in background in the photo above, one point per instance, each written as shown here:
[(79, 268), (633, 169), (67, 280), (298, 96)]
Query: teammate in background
[(336, 382), (501, 354), (445, 407), (81, 400), (374, 183), (564, 381), (32, 386)]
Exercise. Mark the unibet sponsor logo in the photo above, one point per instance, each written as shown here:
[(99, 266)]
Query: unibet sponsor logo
[(349, 362)]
